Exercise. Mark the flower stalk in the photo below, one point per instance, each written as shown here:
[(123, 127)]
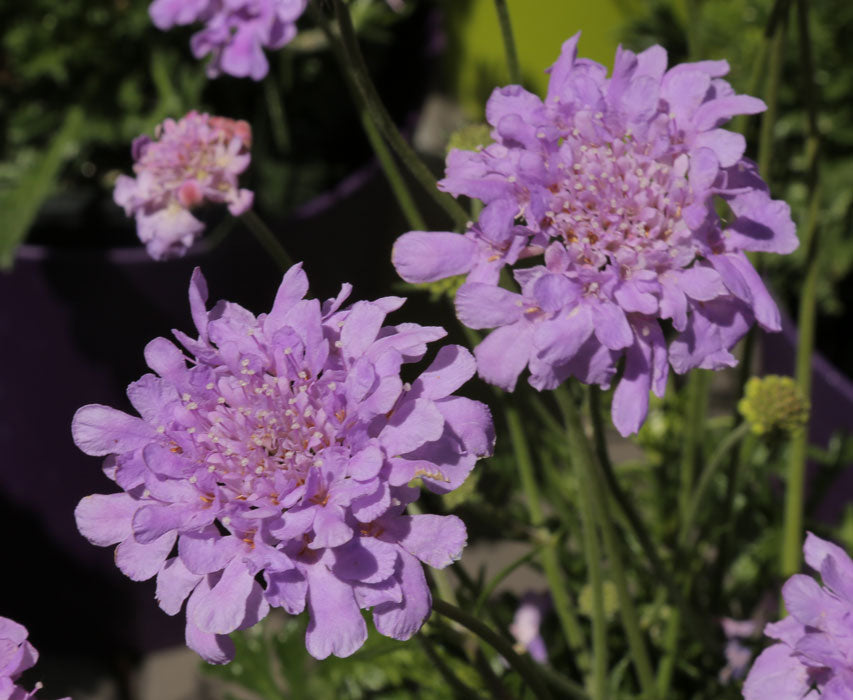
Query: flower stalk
[(376, 109), (584, 459), (509, 42), (267, 239)]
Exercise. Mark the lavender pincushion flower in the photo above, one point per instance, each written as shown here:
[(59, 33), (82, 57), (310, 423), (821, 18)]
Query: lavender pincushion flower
[(235, 31), (193, 160), (16, 656), (814, 656), (614, 181), (277, 459)]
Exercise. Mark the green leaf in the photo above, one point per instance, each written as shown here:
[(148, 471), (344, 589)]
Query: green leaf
[(21, 202)]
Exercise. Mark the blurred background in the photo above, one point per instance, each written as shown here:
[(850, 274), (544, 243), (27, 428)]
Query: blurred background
[(79, 298)]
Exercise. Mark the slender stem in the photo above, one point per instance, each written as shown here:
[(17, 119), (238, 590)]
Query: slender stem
[(592, 555), (358, 70), (694, 14), (267, 239), (496, 580), (509, 42), (523, 666), (792, 537), (380, 149), (550, 558), (631, 516), (278, 119), (585, 460), (459, 689), (771, 97), (730, 441), (697, 400)]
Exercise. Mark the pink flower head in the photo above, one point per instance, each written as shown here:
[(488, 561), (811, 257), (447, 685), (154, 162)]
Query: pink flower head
[(275, 452), (613, 182), (16, 656), (193, 160), (235, 32), (814, 655)]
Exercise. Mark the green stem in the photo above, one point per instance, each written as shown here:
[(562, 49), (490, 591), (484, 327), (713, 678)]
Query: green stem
[(585, 460), (267, 239), (380, 149), (367, 90), (730, 441), (550, 557), (523, 666), (697, 400), (459, 689), (592, 555), (628, 511), (509, 42), (771, 97), (792, 537), (496, 580), (278, 120)]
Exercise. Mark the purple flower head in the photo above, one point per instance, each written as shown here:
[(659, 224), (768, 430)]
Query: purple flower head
[(235, 32), (16, 656), (613, 182), (271, 466), (193, 160), (814, 655), (737, 654), (527, 623)]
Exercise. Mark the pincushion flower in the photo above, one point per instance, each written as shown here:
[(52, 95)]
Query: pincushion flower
[(193, 160), (271, 466), (16, 656), (613, 181), (235, 32), (814, 655)]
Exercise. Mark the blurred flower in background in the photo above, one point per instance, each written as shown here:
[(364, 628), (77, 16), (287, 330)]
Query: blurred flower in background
[(196, 159)]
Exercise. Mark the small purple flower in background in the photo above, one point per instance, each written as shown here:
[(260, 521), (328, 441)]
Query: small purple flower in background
[(814, 656), (737, 654), (275, 460), (16, 656), (614, 182), (527, 623), (190, 161), (235, 31)]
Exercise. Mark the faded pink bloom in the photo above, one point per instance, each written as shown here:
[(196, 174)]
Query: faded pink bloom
[(193, 160)]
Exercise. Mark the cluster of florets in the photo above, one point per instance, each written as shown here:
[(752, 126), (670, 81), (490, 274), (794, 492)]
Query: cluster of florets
[(16, 656), (273, 468), (814, 656), (235, 33), (614, 182), (190, 161), (774, 405)]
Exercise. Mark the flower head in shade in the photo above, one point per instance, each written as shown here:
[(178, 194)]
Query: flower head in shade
[(737, 654), (235, 32), (814, 654), (271, 462), (16, 656), (527, 623), (193, 160), (609, 185)]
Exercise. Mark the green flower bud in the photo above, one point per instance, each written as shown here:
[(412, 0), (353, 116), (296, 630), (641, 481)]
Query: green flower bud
[(774, 404)]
